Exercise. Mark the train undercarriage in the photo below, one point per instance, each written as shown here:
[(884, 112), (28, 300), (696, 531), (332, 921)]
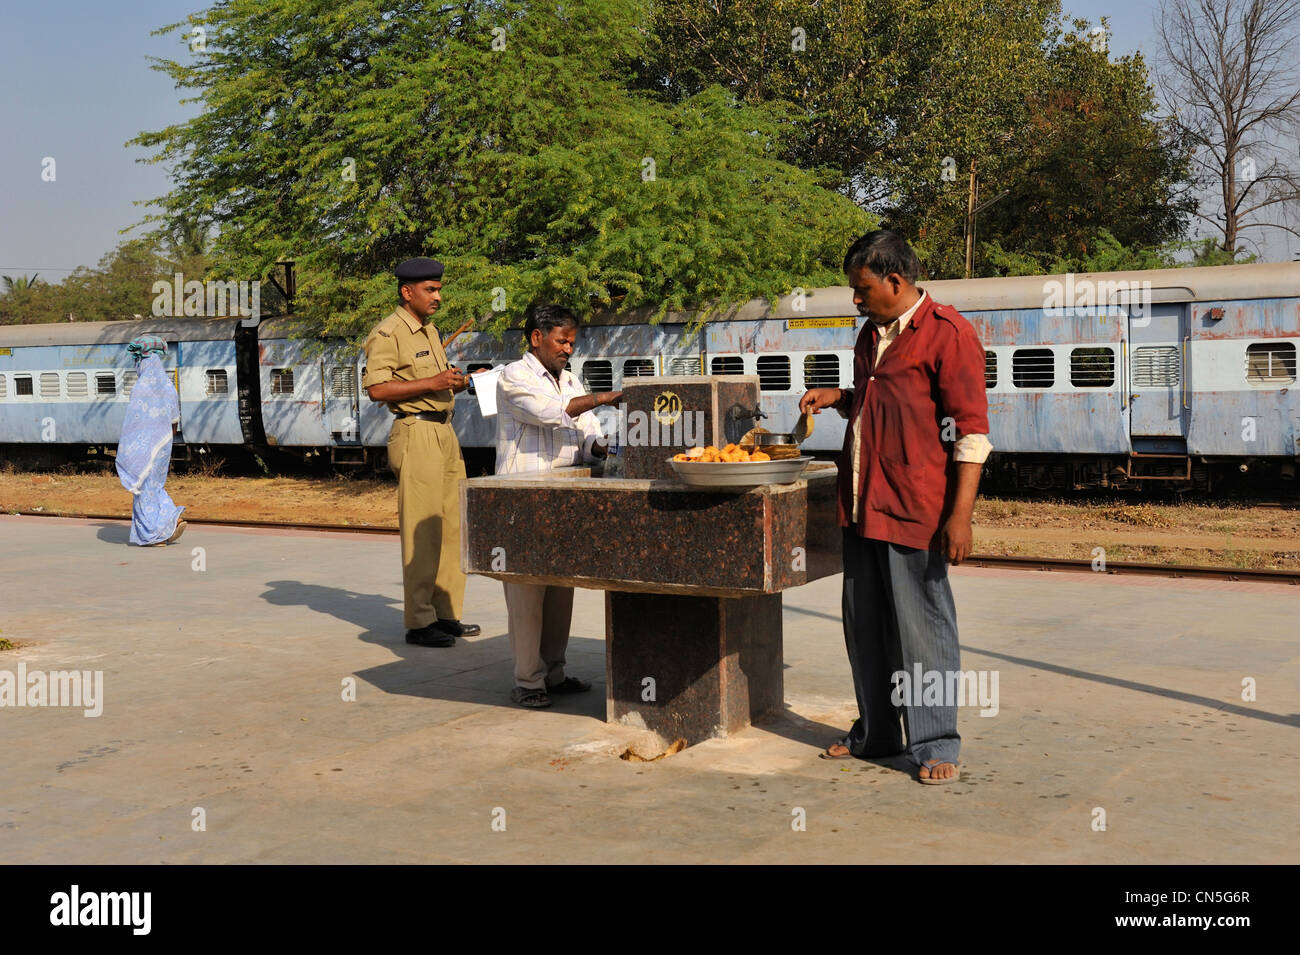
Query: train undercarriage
[(1139, 472)]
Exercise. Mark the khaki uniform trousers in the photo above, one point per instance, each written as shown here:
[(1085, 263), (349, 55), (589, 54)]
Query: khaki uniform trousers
[(425, 456), (539, 617)]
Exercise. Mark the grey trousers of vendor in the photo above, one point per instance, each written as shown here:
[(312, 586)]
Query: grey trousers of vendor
[(898, 611), (539, 617)]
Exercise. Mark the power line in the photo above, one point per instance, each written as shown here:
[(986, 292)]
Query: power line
[(37, 268)]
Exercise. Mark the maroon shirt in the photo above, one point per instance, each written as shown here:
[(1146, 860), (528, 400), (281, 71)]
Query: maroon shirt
[(932, 371)]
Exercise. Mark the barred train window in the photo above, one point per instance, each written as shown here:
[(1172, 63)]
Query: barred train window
[(1032, 368), (49, 384), (343, 381), (639, 368), (774, 373), (598, 375), (78, 385), (821, 371), (106, 384), (216, 383), (4, 387), (1271, 362), (990, 370), (1092, 367), (727, 365), (281, 381), (128, 382), (22, 384), (685, 366)]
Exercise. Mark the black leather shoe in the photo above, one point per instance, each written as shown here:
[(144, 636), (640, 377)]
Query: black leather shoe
[(458, 629), (430, 636)]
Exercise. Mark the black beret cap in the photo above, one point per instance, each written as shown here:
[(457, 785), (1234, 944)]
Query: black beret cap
[(419, 270)]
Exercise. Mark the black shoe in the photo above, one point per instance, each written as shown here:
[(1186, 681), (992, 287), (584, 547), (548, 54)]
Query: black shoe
[(430, 636), (571, 684), (458, 629)]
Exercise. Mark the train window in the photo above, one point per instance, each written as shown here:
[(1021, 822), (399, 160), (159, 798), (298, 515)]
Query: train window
[(343, 381), (774, 373), (215, 382), (1032, 368), (78, 385), (4, 386), (638, 368), (1092, 367), (128, 382), (281, 381), (598, 375), (22, 384), (106, 384), (1157, 366), (685, 366), (727, 365), (990, 370), (821, 371), (1271, 361), (50, 384)]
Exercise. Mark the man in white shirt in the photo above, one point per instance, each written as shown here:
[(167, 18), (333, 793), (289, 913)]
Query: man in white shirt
[(545, 420)]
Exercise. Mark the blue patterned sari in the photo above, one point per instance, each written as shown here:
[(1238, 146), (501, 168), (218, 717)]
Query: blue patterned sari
[(144, 453)]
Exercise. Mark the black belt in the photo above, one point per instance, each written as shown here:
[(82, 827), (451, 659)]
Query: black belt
[(441, 417)]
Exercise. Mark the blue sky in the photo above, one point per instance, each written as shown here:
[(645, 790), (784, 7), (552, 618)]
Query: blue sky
[(77, 85)]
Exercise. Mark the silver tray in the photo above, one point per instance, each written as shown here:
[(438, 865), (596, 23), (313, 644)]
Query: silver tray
[(739, 473)]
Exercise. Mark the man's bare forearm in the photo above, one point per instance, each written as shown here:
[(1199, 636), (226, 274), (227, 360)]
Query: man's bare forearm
[(968, 482), (584, 403)]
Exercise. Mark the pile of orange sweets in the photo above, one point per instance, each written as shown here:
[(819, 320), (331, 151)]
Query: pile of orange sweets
[(731, 452)]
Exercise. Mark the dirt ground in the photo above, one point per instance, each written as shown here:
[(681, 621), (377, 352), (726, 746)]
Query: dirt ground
[(1216, 535)]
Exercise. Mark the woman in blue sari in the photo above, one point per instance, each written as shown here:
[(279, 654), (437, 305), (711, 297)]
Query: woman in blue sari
[(144, 452)]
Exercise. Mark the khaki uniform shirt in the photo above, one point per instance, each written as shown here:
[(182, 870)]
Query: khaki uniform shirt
[(402, 349)]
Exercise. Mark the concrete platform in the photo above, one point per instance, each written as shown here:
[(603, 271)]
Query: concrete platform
[(223, 691)]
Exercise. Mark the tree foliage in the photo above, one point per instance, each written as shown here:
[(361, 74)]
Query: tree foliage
[(503, 138), (1106, 253), (892, 94), (119, 287)]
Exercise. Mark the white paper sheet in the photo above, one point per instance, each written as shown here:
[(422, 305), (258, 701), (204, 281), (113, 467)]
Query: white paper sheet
[(485, 386)]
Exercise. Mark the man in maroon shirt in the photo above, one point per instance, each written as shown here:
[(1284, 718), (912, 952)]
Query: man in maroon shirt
[(917, 438)]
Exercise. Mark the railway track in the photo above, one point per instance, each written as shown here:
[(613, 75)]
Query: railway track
[(1045, 564)]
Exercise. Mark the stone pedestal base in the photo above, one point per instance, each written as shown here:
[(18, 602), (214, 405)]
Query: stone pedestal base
[(692, 667)]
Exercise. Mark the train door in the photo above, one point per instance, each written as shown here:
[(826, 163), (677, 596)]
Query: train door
[(342, 410), (1158, 373)]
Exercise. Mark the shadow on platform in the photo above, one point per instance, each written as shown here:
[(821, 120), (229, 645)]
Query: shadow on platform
[(479, 670)]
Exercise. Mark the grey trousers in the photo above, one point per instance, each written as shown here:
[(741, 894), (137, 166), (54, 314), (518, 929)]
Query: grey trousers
[(539, 617), (898, 612)]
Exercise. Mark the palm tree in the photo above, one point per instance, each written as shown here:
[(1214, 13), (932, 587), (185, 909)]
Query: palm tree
[(20, 284)]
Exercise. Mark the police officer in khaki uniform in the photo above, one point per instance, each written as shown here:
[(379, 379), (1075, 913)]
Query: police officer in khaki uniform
[(407, 368)]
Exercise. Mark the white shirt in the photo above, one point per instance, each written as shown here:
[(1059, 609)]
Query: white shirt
[(534, 431), (969, 447)]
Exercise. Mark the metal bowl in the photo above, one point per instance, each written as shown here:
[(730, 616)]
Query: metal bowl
[(767, 439), (739, 474)]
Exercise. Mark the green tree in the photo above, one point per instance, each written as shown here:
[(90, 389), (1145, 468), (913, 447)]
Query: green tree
[(1092, 161), (900, 97), (120, 286), (1106, 253), (23, 299), (502, 138)]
